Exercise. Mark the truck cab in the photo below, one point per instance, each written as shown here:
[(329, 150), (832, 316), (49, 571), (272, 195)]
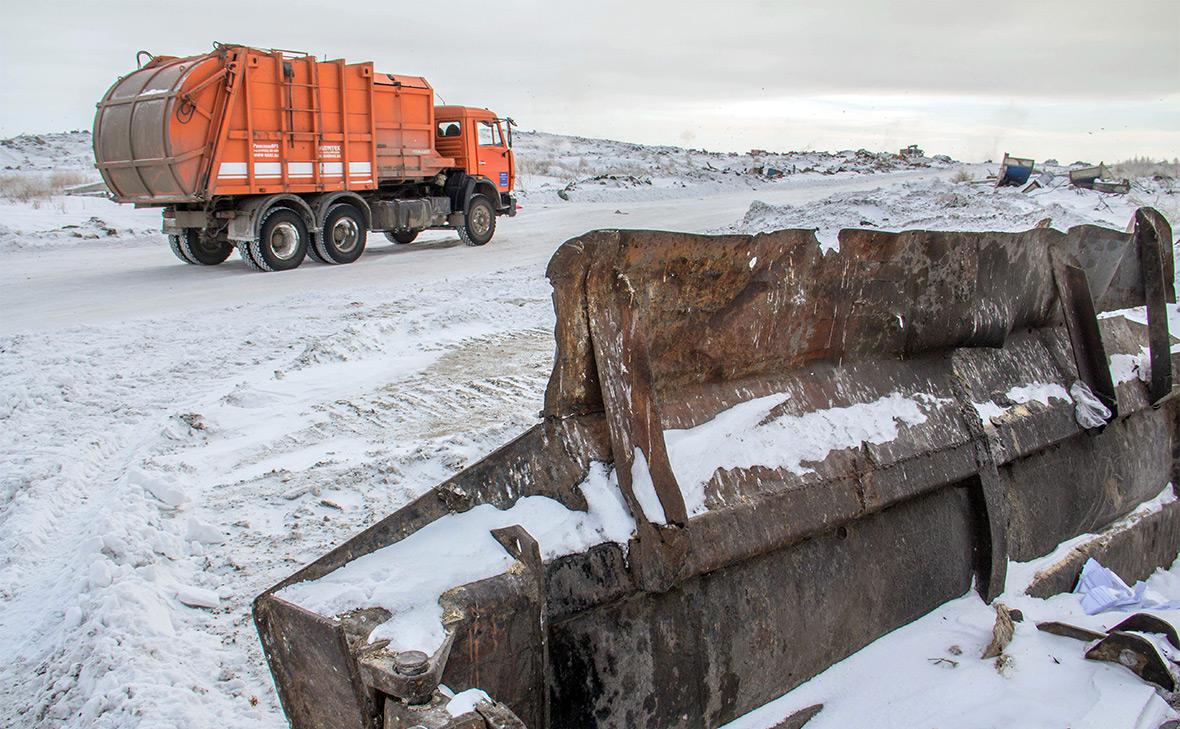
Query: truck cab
[(481, 144)]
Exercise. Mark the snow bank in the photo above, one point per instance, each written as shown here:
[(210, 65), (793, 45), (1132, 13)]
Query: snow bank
[(408, 577), (48, 152), (562, 169), (938, 204)]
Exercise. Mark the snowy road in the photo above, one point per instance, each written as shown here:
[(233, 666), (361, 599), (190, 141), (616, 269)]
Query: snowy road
[(65, 287)]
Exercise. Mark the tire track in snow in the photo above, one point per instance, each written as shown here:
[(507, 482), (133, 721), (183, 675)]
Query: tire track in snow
[(263, 446)]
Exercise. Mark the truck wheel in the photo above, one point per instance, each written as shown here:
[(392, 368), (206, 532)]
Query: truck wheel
[(247, 257), (401, 237), (177, 250), (313, 252), (282, 241), (344, 236), (199, 247), (480, 223)]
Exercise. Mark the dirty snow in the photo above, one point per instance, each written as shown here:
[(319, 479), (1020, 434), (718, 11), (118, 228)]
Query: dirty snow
[(175, 437), (459, 549)]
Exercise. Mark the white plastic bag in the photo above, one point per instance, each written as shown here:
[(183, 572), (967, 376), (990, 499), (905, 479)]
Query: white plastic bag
[(1088, 409)]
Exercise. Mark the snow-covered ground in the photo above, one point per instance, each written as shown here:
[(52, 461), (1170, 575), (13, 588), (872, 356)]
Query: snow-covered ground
[(175, 439), (553, 167)]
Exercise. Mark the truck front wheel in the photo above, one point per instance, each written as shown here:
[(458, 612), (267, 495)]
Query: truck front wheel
[(282, 241), (344, 235), (480, 223)]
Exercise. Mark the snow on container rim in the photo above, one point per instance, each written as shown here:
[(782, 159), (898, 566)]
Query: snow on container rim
[(1042, 392), (408, 577), (746, 435)]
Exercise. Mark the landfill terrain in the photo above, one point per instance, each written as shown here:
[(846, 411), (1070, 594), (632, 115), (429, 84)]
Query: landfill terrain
[(176, 439)]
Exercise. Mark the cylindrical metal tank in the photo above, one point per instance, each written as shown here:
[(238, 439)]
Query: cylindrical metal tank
[(147, 148)]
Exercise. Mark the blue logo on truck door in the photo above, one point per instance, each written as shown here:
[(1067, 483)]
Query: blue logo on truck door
[(503, 179)]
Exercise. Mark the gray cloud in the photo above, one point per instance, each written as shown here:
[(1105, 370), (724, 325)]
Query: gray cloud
[(668, 71)]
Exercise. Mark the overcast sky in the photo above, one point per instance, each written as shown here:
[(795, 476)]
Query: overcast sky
[(1070, 79)]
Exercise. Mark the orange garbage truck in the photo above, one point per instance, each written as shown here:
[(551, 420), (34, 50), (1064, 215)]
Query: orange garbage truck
[(284, 156)]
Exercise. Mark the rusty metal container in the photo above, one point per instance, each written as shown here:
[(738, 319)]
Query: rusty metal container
[(739, 583), (244, 121)]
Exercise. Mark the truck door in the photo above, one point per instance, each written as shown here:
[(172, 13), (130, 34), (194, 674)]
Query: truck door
[(495, 157)]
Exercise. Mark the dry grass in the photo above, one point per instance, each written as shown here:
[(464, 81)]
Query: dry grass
[(1146, 167), (576, 168), (961, 175), (29, 187)]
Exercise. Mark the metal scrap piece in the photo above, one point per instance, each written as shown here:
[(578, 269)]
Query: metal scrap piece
[(1148, 623), (1137, 654), (1066, 630)]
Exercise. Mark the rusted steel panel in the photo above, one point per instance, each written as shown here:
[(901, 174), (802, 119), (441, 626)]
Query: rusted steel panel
[(313, 668), (730, 597)]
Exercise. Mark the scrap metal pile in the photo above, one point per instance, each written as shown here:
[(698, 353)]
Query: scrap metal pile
[(754, 459)]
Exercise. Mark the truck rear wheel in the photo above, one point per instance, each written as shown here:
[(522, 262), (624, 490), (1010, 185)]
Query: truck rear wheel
[(479, 224), (344, 235), (401, 237), (177, 250), (247, 257), (200, 247), (282, 241)]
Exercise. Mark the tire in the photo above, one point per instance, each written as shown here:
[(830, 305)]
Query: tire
[(247, 257), (344, 236), (282, 241), (401, 237), (177, 250), (479, 225), (199, 247), (313, 252)]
